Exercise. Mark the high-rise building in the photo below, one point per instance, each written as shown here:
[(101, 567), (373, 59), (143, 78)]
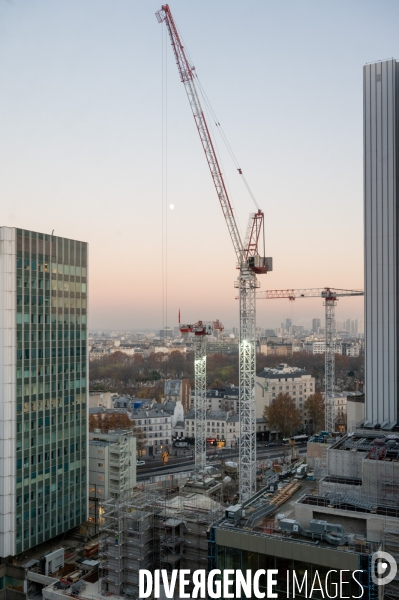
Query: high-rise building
[(316, 324), (381, 151), (166, 332), (360, 326), (43, 387), (288, 323)]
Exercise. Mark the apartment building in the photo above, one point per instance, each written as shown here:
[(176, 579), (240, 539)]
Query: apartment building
[(283, 379), (156, 424)]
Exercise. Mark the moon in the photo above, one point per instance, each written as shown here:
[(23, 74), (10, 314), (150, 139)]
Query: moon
[(171, 206)]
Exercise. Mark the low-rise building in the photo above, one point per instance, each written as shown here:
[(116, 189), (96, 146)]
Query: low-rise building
[(351, 349), (156, 425), (216, 424), (319, 347)]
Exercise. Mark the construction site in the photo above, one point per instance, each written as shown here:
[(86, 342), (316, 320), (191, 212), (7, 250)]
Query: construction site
[(158, 527), (333, 511)]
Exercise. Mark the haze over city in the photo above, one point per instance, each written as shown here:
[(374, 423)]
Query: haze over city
[(82, 137)]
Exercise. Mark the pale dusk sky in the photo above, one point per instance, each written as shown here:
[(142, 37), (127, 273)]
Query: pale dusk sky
[(81, 146)]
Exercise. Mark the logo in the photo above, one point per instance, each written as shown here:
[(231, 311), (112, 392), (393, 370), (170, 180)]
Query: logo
[(383, 568)]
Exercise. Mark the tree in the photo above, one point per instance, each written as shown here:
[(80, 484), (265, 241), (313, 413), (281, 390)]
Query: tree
[(107, 421), (217, 384), (283, 415), (316, 410), (141, 441)]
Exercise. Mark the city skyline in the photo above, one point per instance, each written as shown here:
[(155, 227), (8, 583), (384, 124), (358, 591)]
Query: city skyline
[(82, 123)]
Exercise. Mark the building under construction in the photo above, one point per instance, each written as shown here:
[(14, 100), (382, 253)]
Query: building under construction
[(156, 528)]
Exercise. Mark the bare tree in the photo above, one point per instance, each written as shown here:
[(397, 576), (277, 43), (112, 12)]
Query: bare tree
[(283, 415)]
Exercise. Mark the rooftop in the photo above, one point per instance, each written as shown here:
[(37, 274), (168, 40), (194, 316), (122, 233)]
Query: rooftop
[(282, 370), (373, 443)]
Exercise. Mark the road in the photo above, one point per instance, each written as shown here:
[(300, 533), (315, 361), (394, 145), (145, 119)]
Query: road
[(178, 465)]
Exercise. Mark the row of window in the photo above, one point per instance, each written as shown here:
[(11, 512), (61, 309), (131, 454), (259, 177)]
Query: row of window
[(39, 528), (208, 422), (46, 319), (33, 371), (46, 387), (293, 387), (33, 264), (63, 287), (152, 421), (60, 352), (44, 336)]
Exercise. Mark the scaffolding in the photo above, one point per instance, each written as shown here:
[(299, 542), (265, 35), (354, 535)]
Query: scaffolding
[(156, 528), (126, 543), (363, 468)]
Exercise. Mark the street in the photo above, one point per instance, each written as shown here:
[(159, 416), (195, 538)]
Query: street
[(214, 457)]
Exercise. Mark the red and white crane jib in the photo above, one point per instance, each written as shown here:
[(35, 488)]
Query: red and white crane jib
[(325, 293), (247, 254)]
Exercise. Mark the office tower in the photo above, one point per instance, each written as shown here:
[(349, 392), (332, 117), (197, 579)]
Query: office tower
[(359, 326), (350, 326), (43, 377), (381, 151), (316, 325), (288, 323), (166, 332)]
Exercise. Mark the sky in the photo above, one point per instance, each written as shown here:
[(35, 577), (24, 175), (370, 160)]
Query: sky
[(97, 140)]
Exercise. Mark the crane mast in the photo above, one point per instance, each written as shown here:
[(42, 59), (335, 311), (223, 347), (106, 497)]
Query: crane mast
[(249, 263), (330, 301), (200, 330)]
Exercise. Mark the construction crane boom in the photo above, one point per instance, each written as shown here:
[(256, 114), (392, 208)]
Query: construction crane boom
[(249, 261), (186, 72), (330, 296), (307, 293)]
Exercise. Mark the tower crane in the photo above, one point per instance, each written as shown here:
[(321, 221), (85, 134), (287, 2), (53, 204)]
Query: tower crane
[(330, 296), (200, 330), (250, 263)]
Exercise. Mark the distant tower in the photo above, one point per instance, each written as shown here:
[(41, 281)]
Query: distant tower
[(288, 323), (316, 325), (381, 151)]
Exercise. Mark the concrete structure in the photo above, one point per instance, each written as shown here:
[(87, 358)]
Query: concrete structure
[(296, 382), (381, 105), (355, 410), (252, 535), (365, 466), (112, 470), (43, 379)]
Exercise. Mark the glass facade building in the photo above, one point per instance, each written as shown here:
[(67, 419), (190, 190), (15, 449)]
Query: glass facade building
[(43, 381)]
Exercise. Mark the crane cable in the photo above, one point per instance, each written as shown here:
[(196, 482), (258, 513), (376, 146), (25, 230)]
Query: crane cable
[(164, 182), (225, 140), (218, 126)]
